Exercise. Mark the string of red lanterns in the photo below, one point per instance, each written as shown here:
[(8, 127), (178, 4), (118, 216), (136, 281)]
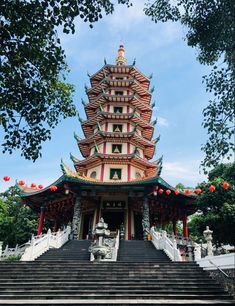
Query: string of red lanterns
[(32, 185), (197, 191)]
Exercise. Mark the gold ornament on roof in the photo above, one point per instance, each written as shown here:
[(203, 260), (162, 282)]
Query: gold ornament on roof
[(121, 60)]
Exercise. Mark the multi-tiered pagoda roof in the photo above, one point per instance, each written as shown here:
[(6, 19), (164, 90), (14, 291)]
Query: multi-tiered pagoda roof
[(118, 151)]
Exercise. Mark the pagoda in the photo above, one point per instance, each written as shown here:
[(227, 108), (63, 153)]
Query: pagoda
[(116, 179)]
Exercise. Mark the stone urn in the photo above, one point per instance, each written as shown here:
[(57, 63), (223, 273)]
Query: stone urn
[(98, 248)]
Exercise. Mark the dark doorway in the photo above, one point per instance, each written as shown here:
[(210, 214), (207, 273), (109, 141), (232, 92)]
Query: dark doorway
[(138, 226), (87, 226), (114, 219)]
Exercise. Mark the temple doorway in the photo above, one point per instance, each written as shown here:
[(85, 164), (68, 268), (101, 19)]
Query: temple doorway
[(87, 225), (114, 219), (138, 226)]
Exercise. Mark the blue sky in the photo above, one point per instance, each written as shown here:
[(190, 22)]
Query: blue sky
[(179, 93)]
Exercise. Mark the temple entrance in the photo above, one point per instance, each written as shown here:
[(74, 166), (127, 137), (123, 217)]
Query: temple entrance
[(87, 225), (114, 219), (138, 226)]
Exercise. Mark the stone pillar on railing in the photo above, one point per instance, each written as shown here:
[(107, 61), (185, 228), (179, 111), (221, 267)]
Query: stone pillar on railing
[(190, 253), (208, 237), (1, 243), (48, 237), (197, 251), (145, 218), (76, 218), (163, 240)]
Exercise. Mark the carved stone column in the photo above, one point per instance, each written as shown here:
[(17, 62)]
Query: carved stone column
[(145, 219), (76, 218), (208, 237)]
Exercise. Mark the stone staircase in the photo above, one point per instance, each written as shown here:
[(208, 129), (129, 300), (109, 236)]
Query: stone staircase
[(140, 251), (60, 277), (72, 250)]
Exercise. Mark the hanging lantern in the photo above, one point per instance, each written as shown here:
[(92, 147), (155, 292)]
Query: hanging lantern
[(40, 186), (187, 191), (168, 191), (21, 183), (177, 192), (53, 188), (160, 191), (212, 188), (198, 190), (155, 193), (226, 185), (6, 178), (33, 185)]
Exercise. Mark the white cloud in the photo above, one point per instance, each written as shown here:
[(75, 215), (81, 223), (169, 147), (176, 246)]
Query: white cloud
[(125, 18), (163, 122), (182, 172)]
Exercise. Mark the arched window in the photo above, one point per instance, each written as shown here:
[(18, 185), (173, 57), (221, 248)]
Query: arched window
[(93, 174)]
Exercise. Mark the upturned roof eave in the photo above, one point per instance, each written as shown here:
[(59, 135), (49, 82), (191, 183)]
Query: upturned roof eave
[(84, 181)]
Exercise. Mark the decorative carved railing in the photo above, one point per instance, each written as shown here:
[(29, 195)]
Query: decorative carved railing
[(37, 245), (162, 242), (18, 251)]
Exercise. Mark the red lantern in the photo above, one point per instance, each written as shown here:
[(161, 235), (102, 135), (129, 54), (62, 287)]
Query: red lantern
[(212, 188), (198, 190), (187, 191), (53, 188), (226, 185), (40, 186), (21, 183), (168, 191), (6, 178), (177, 192), (160, 191), (33, 185)]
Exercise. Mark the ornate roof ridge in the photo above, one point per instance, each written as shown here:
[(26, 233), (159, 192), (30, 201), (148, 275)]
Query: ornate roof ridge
[(118, 135), (131, 114), (67, 171), (106, 79), (148, 107)]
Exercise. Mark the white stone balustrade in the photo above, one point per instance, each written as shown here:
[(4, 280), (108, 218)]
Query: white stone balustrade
[(162, 242), (40, 244)]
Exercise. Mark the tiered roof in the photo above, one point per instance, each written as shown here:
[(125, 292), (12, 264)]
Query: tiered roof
[(137, 98)]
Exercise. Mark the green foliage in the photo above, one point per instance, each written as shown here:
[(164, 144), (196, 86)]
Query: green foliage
[(216, 209), (13, 258), (210, 29), (34, 96), (17, 221), (180, 186)]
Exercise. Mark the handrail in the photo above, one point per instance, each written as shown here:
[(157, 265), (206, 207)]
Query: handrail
[(40, 244), (162, 242), (218, 268)]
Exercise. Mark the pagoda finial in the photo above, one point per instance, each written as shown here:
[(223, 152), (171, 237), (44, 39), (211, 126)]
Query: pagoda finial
[(121, 60)]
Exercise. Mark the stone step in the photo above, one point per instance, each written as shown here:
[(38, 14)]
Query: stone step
[(110, 282), (141, 274), (134, 296)]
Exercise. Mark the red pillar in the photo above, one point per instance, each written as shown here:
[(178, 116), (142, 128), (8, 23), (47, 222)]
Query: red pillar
[(40, 224), (102, 172), (128, 172), (185, 227), (174, 227)]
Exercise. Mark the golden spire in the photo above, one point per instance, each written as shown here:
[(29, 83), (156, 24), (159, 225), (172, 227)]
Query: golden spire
[(121, 60)]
